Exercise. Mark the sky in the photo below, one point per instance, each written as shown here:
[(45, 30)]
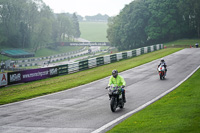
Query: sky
[(87, 7)]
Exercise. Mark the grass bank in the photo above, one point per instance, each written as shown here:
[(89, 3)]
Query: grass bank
[(51, 85), (60, 49), (177, 112), (47, 52), (183, 43), (94, 31)]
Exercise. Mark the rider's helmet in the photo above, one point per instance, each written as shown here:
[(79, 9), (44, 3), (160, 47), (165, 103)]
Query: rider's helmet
[(162, 60), (114, 73)]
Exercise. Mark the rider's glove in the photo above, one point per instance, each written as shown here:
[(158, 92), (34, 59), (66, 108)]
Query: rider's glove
[(107, 87), (123, 86)]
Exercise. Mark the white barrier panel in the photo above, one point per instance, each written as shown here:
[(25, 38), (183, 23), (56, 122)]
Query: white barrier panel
[(119, 56), (157, 47), (129, 54), (107, 59), (73, 67), (162, 46), (145, 50), (92, 63), (152, 49), (138, 52)]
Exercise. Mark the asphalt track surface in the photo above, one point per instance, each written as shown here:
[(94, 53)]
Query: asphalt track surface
[(86, 108)]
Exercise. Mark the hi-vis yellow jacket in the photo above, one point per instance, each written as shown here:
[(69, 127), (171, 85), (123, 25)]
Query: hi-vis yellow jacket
[(119, 81)]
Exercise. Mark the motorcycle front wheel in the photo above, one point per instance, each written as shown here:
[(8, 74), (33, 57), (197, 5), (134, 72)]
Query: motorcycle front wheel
[(121, 105), (161, 76), (113, 104)]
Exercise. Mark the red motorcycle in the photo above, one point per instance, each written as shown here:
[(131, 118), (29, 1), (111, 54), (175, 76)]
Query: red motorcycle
[(162, 72)]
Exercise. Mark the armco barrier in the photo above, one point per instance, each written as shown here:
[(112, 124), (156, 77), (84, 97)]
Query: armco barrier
[(145, 50), (119, 56), (155, 47), (92, 62), (129, 54), (37, 74), (73, 67), (134, 53), (83, 65), (63, 69), (142, 50), (113, 58), (138, 52), (106, 59), (124, 55), (100, 61), (149, 49)]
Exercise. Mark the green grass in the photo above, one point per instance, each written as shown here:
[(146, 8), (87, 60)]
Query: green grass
[(177, 112), (183, 42), (48, 52), (94, 31), (51, 85), (61, 49)]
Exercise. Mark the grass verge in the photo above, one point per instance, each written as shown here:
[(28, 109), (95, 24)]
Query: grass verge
[(177, 112), (51, 85), (61, 49), (94, 31), (182, 43)]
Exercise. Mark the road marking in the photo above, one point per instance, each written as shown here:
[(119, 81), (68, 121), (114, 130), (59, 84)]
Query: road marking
[(144, 105)]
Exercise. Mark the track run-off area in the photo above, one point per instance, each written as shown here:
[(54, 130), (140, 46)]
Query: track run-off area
[(86, 108)]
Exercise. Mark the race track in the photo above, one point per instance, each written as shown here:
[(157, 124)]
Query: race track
[(86, 108)]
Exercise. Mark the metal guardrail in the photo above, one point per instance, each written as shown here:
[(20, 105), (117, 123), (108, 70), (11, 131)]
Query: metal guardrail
[(100, 61), (63, 69)]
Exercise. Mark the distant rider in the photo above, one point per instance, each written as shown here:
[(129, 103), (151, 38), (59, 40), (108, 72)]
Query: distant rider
[(119, 81), (162, 63)]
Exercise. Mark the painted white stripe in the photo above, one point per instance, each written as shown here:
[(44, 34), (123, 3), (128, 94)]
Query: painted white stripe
[(144, 105)]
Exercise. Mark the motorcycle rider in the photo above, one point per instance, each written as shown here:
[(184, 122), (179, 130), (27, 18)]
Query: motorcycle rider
[(162, 62), (119, 81)]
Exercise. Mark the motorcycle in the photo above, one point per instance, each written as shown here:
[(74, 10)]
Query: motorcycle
[(161, 71), (115, 96)]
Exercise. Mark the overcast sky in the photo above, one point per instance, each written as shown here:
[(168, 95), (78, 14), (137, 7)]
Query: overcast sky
[(88, 7)]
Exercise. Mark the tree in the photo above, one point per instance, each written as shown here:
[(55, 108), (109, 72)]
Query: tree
[(76, 28), (164, 23), (32, 24), (127, 30), (146, 22), (190, 11)]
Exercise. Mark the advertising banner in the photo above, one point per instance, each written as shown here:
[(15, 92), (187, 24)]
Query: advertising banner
[(81, 44), (31, 75), (3, 79)]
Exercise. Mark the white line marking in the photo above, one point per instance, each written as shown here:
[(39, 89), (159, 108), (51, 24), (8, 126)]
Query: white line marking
[(144, 105)]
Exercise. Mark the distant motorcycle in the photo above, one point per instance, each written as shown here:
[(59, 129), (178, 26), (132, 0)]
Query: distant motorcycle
[(115, 96), (161, 71)]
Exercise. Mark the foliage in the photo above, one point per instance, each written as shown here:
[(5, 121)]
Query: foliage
[(77, 32), (97, 17), (32, 24), (146, 22)]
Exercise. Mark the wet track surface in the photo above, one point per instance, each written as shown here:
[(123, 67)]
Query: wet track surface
[(86, 108)]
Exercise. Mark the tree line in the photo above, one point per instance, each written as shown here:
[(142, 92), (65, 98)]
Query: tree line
[(95, 18), (147, 22), (32, 24)]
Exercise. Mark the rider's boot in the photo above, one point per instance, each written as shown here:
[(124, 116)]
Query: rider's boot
[(123, 96)]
